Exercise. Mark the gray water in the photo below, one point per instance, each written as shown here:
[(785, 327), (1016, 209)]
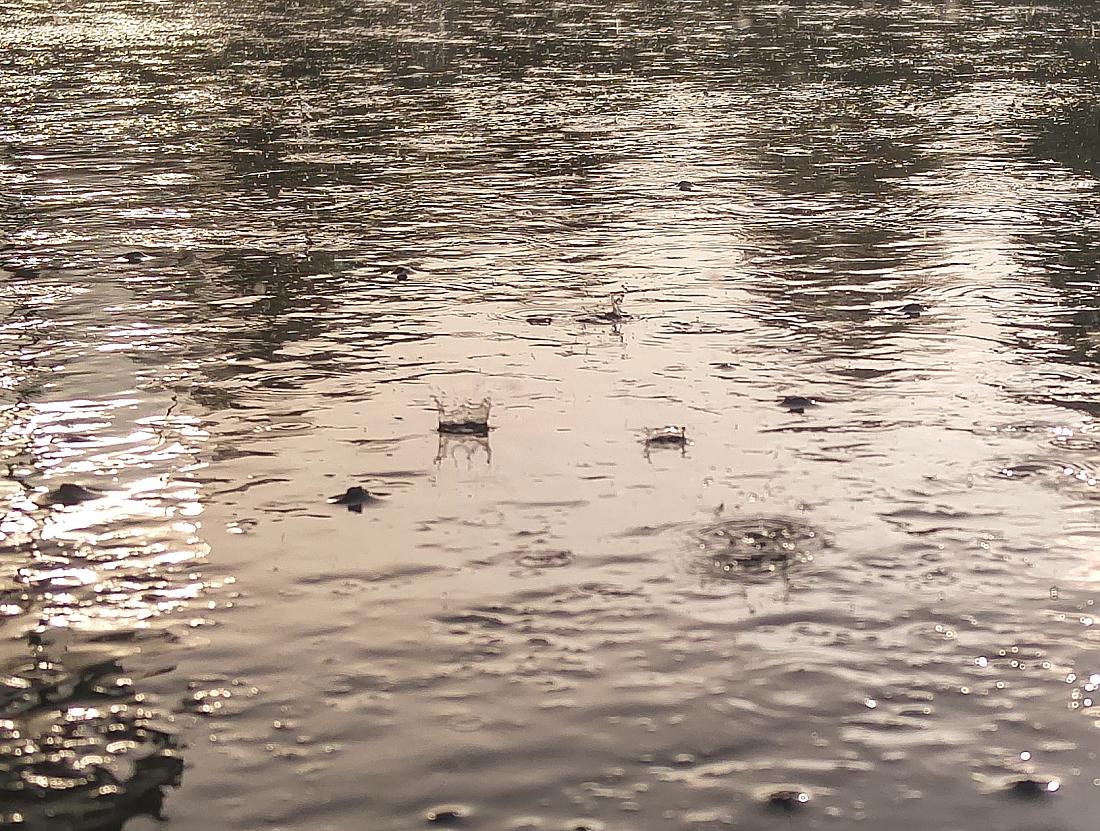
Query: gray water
[(244, 247)]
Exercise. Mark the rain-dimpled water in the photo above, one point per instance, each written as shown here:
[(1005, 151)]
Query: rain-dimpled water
[(621, 416)]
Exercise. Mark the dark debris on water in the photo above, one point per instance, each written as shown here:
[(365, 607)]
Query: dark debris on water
[(788, 800), (69, 494), (354, 498), (797, 403), (1034, 788), (913, 309), (132, 257)]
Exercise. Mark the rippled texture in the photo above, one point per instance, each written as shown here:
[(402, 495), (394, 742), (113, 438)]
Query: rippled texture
[(848, 250)]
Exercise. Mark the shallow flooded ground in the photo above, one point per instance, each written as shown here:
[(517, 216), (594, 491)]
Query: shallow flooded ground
[(801, 531)]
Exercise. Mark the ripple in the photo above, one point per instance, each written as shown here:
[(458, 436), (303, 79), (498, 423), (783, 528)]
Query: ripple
[(452, 815), (754, 546), (545, 559)]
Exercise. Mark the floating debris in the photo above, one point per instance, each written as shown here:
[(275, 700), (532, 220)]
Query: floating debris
[(540, 320), (668, 436), (797, 403), (913, 309), (69, 494), (466, 419), (788, 800), (754, 546), (1034, 788), (355, 498), (685, 185)]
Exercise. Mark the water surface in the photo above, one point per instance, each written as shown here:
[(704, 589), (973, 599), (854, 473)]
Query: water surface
[(245, 247)]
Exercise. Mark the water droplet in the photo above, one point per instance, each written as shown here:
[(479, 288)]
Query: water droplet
[(464, 419)]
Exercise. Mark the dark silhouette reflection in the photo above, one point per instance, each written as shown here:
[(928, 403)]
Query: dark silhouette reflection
[(76, 749), (80, 746), (1066, 253), (1071, 136)]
